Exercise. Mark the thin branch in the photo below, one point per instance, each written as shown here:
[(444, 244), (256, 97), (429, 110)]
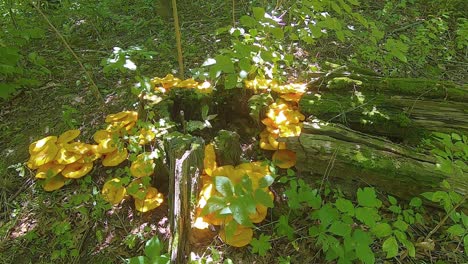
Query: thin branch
[(94, 89), (178, 39)]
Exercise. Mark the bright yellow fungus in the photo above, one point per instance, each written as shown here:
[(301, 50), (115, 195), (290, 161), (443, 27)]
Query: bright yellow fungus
[(49, 170), (115, 158), (113, 191), (284, 158), (68, 136), (77, 170), (242, 236), (54, 183), (142, 166), (152, 200), (209, 162)]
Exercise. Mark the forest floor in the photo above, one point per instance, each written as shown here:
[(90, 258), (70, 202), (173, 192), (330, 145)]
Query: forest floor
[(74, 225)]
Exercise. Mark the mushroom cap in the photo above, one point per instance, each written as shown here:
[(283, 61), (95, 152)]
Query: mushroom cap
[(264, 144), (107, 145), (259, 215), (115, 117), (46, 154), (205, 87), (49, 170), (291, 130), (115, 158), (41, 144), (226, 171), (101, 135), (54, 183), (152, 200), (142, 166), (284, 158), (66, 157), (90, 156), (242, 236), (209, 161), (113, 191), (68, 136), (256, 166), (292, 97), (189, 83), (78, 147), (145, 136), (77, 170)]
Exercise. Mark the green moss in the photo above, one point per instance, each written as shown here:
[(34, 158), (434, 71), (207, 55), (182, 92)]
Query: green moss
[(343, 83)]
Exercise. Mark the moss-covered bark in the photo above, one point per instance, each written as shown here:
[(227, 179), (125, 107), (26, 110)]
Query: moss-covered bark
[(361, 160)]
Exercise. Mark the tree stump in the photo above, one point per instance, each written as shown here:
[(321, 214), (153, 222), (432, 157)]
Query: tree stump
[(185, 154)]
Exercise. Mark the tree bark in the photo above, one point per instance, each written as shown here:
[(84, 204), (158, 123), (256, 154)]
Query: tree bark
[(185, 158), (404, 110), (338, 153)]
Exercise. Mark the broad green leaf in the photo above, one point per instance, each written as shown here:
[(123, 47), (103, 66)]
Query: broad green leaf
[(258, 12), (362, 237), (367, 215), (266, 181), (140, 260), (153, 247), (367, 197), (416, 202), (262, 197), (284, 229), (392, 200), (327, 214), (400, 224), (240, 213), (261, 245), (381, 230), (213, 204), (248, 21), (345, 206), (224, 64), (224, 186), (456, 230), (410, 247), (277, 32), (365, 254), (390, 246), (230, 81), (340, 229)]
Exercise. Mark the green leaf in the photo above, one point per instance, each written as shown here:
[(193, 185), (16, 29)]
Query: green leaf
[(224, 63), (345, 206), (266, 181), (277, 33), (153, 247), (367, 197), (240, 212), (416, 202), (261, 245), (365, 254), (258, 12), (367, 215), (390, 246), (139, 260), (410, 247), (381, 230), (340, 229), (263, 198), (400, 224), (248, 21), (230, 81), (392, 200), (213, 204), (456, 230), (224, 186), (284, 229)]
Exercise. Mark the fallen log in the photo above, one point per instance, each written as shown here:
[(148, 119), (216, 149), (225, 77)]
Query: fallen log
[(402, 109), (356, 158)]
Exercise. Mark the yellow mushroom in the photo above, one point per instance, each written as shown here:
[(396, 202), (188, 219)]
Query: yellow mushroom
[(259, 215), (142, 166), (145, 136), (77, 170), (152, 200), (46, 155), (242, 236), (101, 135), (115, 158), (54, 183), (41, 144), (107, 145), (66, 157), (284, 158), (49, 170), (68, 136), (209, 162), (113, 191)]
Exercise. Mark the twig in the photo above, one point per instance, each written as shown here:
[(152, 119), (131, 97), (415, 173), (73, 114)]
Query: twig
[(95, 89), (178, 39), (445, 218)]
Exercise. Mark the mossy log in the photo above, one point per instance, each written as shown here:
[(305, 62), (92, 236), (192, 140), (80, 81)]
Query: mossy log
[(185, 154), (355, 158), (406, 110)]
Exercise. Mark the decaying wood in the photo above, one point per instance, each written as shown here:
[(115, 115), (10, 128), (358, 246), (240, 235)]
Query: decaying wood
[(360, 159), (403, 109), (185, 158)]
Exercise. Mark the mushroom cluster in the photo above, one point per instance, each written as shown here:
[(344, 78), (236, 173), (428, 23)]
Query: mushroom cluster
[(163, 85), (57, 159), (255, 171)]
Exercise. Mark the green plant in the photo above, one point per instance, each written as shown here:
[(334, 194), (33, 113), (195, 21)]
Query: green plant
[(451, 151), (153, 253)]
